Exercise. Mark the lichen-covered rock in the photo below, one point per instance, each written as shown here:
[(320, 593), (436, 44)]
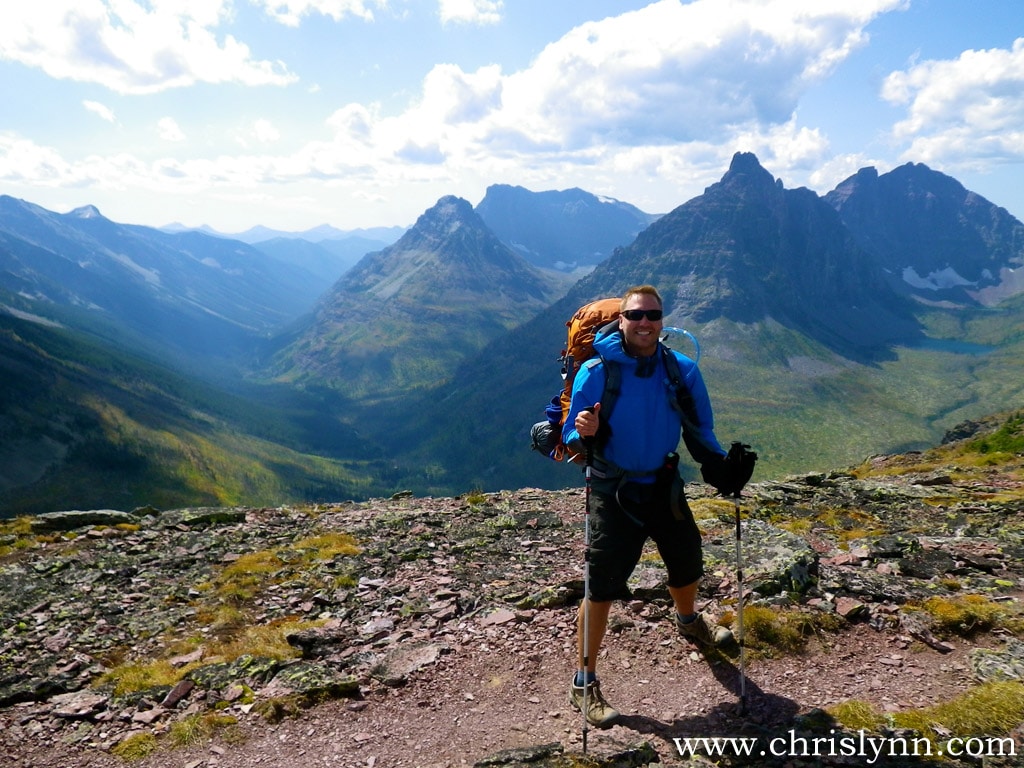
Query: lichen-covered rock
[(251, 669), (311, 681), (999, 664), (774, 560), (72, 519)]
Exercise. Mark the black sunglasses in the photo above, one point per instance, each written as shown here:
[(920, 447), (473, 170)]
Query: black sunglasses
[(654, 315)]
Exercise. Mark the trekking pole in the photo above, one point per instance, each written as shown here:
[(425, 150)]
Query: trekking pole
[(586, 588), (739, 605)]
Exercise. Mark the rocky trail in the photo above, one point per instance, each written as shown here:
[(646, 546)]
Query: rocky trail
[(440, 632)]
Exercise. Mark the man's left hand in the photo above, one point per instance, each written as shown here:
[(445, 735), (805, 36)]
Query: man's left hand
[(732, 472)]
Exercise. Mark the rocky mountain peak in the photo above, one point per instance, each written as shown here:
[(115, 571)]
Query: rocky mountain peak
[(86, 212), (746, 182), (749, 249), (745, 166), (563, 229), (864, 179), (449, 248), (933, 238), (448, 283), (447, 215)]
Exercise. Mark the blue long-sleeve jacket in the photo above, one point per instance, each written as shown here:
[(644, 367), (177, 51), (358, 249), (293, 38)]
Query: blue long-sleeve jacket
[(644, 425)]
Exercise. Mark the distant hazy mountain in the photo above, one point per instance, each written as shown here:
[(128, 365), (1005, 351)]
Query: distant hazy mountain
[(324, 232), (327, 260), (560, 230), (405, 316), (188, 292)]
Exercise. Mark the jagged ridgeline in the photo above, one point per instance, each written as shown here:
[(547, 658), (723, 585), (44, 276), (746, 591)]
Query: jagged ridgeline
[(565, 230)]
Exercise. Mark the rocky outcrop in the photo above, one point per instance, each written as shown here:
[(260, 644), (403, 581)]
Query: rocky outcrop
[(374, 595)]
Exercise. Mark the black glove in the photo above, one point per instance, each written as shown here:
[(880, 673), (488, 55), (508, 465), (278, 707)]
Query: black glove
[(729, 474)]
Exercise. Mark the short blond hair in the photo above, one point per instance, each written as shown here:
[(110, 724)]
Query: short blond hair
[(641, 290)]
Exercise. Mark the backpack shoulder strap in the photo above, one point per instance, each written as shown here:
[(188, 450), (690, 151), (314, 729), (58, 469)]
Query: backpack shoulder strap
[(609, 395), (612, 383), (612, 387), (684, 405), (682, 401)]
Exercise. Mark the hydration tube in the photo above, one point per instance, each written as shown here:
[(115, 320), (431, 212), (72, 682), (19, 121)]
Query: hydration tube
[(670, 330)]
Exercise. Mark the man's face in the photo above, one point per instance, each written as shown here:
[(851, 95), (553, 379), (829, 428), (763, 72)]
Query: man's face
[(640, 335)]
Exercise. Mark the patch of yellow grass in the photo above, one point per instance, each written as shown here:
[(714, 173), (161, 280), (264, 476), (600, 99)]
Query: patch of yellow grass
[(135, 747), (857, 715), (990, 709), (966, 614), (138, 676), (711, 508), (327, 546), (198, 729)]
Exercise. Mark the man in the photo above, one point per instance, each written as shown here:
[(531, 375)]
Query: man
[(636, 492)]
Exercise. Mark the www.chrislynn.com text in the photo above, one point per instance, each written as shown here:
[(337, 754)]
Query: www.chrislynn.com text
[(869, 747)]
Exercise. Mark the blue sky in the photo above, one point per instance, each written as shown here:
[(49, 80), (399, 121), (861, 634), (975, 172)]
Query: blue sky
[(360, 113)]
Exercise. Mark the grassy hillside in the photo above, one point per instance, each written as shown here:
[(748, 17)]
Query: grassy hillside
[(805, 408), (85, 427)]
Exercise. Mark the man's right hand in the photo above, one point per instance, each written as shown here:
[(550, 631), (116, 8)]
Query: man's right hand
[(587, 421)]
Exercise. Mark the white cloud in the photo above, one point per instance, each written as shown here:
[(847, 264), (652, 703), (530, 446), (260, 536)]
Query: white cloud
[(962, 112), (837, 168), (711, 73), (653, 93), (23, 160), (647, 106), (290, 12), (470, 11), (672, 72), (264, 131), (101, 110), (169, 130), (453, 99), (787, 145), (130, 47)]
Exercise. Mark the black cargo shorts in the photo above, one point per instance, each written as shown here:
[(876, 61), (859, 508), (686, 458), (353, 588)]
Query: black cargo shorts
[(623, 516)]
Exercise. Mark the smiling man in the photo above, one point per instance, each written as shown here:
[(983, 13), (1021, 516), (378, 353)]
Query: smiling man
[(637, 493)]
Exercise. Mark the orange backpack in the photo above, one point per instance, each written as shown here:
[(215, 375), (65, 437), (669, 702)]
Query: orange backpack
[(579, 347)]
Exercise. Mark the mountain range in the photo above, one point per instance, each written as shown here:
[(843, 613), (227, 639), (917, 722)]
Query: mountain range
[(869, 319), (811, 351), (183, 293)]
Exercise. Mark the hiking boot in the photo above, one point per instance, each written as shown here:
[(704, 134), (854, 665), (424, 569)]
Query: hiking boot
[(702, 632), (599, 714)]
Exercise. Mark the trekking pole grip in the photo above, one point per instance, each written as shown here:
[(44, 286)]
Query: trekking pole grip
[(588, 443)]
